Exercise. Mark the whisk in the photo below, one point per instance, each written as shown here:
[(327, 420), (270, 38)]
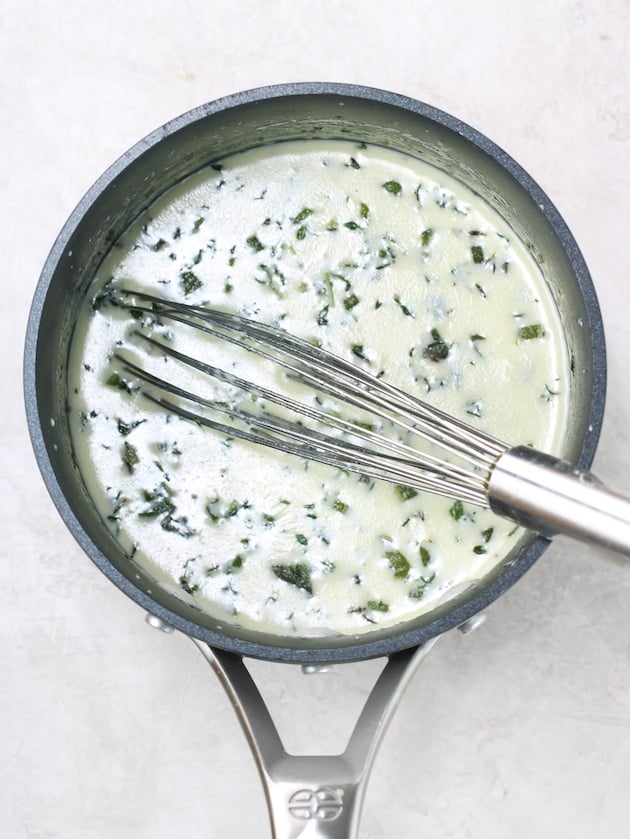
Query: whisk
[(536, 490)]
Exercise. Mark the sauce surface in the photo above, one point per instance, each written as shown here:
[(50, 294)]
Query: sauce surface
[(383, 260)]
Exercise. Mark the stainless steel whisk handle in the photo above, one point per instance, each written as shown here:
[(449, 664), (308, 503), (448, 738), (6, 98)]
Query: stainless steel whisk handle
[(551, 496)]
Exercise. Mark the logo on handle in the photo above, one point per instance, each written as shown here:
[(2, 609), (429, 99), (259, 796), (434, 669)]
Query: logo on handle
[(324, 804)]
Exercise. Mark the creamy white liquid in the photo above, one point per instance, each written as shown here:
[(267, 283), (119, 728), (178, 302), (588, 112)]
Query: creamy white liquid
[(377, 256)]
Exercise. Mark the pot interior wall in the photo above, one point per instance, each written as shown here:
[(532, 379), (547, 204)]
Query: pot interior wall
[(208, 134)]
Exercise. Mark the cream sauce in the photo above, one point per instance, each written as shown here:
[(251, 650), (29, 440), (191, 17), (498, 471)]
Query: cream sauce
[(378, 256)]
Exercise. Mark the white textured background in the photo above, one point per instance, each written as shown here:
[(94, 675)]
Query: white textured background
[(110, 729)]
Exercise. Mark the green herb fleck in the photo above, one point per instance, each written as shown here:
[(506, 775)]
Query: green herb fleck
[(185, 584), (189, 282), (126, 428), (425, 556), (405, 493), (130, 456), (534, 330), (179, 526), (351, 225), (364, 210), (350, 301), (377, 606), (301, 538), (403, 308), (236, 563), (357, 349), (301, 232), (437, 350), (418, 589), (477, 254), (322, 316), (297, 575), (457, 510), (304, 213), (159, 502), (392, 187), (486, 535), (399, 563), (255, 243), (116, 380), (426, 237), (340, 506)]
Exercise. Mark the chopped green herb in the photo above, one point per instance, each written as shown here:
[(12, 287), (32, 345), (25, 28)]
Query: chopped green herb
[(437, 350), (354, 163), (403, 308), (159, 503), (198, 222), (304, 213), (179, 526), (126, 428), (418, 589), (351, 225), (426, 237), (189, 282), (364, 210), (236, 563), (297, 575), (322, 316), (425, 556), (534, 330), (301, 232), (255, 243), (377, 606), (405, 493), (116, 380), (159, 245), (301, 538), (340, 506), (477, 254), (130, 456), (350, 301), (393, 187), (399, 563), (105, 297), (357, 349), (457, 510), (185, 584)]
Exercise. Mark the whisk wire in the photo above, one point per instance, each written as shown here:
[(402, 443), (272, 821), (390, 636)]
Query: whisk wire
[(375, 455)]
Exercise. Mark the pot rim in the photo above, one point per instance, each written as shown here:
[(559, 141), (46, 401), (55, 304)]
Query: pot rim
[(360, 646)]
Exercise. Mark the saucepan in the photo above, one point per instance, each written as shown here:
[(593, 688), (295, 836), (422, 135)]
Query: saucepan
[(318, 795)]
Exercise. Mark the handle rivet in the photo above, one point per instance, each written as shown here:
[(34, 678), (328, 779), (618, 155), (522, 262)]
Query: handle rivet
[(158, 623), (471, 624)]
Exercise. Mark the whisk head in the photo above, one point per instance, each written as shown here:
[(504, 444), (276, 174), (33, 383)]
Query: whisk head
[(398, 437)]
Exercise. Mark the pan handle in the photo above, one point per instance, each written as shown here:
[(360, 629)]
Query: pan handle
[(319, 796)]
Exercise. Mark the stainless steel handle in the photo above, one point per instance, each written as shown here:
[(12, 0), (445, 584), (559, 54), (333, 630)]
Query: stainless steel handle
[(318, 796), (552, 496)]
